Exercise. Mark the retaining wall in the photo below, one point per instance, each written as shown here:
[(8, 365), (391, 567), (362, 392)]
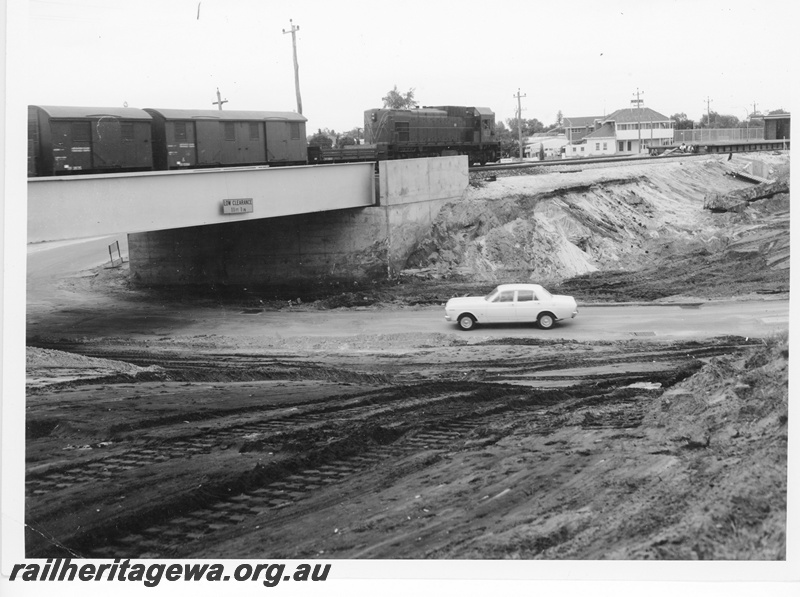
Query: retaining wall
[(341, 245)]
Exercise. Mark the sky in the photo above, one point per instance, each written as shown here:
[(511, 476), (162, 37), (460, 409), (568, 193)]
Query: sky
[(578, 57)]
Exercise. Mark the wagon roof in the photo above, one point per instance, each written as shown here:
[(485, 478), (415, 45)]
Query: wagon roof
[(227, 115), (83, 112)]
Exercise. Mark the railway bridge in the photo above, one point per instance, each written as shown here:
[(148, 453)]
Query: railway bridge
[(257, 225)]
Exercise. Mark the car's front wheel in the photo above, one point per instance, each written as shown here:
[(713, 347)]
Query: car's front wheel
[(466, 322), (546, 321)]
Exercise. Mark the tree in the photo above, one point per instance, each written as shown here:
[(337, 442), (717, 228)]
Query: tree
[(778, 111), (508, 142), (355, 133), (508, 134), (529, 126), (399, 101), (320, 139), (559, 120), (682, 121), (727, 121), (720, 121)]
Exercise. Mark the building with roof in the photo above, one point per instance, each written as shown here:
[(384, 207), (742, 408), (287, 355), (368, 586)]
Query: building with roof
[(777, 126), (545, 146), (628, 131), (576, 129)]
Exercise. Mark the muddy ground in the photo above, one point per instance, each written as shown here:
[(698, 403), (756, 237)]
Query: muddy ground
[(436, 446)]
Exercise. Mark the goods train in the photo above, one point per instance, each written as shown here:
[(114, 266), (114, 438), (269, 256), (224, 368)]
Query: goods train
[(72, 140)]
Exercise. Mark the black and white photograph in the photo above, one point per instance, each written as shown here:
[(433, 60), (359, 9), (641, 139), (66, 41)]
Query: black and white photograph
[(332, 297)]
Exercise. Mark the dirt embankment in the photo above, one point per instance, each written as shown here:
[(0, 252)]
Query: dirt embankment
[(550, 228)]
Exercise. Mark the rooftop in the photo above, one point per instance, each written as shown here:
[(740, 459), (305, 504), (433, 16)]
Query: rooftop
[(607, 130), (636, 115), (580, 121)]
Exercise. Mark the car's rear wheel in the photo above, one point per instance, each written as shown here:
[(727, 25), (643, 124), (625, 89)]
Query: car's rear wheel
[(466, 322), (546, 321)]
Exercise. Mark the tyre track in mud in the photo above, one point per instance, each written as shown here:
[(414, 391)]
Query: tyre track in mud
[(287, 480), (108, 468), (287, 497), (350, 436), (297, 489)]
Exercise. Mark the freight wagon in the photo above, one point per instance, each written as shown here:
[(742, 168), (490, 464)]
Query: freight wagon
[(72, 140), (67, 140)]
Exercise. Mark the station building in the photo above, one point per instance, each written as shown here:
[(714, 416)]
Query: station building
[(629, 131)]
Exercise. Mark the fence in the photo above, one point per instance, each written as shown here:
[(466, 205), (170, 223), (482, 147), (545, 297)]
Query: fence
[(711, 135)]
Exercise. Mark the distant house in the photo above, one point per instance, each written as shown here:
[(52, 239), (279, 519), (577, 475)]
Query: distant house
[(602, 141), (576, 129), (624, 132), (545, 145)]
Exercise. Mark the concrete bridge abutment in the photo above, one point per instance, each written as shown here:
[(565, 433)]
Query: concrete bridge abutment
[(341, 245)]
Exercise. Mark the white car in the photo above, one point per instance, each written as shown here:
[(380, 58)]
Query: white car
[(510, 303)]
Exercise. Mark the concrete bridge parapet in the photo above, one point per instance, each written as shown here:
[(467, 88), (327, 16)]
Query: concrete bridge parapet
[(66, 207), (354, 244)]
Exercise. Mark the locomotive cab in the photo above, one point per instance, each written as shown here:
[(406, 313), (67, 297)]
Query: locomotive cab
[(484, 125)]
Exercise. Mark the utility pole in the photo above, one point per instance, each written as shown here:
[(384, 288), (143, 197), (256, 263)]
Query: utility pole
[(708, 111), (293, 30), (519, 97), (219, 101), (638, 103)]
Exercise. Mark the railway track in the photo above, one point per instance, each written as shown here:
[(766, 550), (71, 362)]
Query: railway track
[(577, 164), (571, 164)]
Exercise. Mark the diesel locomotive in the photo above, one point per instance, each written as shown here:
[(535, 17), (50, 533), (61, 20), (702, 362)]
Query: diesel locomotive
[(432, 131), (74, 140), (435, 131)]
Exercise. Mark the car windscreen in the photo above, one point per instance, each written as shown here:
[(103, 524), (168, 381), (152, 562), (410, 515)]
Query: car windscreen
[(490, 297)]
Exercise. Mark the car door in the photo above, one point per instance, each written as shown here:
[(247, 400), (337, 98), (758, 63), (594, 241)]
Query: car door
[(527, 305), (501, 308)]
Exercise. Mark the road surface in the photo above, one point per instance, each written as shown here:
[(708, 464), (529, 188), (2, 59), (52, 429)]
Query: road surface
[(59, 301)]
